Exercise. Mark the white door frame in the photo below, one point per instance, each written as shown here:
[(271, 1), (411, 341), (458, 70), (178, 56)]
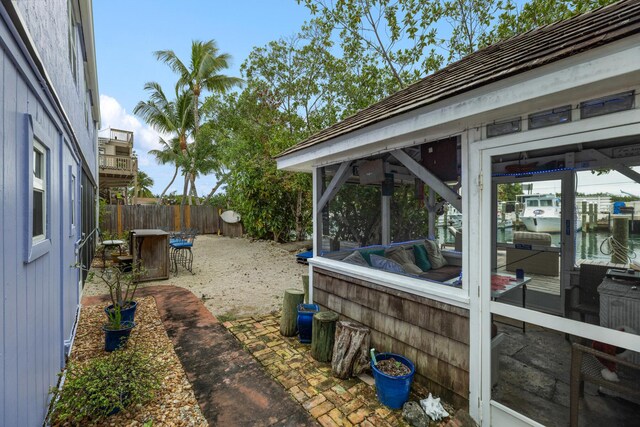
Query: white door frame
[(480, 241)]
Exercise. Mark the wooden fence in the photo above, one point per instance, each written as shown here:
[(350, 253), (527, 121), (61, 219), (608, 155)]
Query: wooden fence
[(121, 218)]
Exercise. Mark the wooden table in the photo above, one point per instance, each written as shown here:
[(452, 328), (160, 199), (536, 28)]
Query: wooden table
[(150, 248), (514, 283)]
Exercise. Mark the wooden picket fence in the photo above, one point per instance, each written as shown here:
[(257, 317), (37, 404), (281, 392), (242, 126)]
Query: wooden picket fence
[(122, 218)]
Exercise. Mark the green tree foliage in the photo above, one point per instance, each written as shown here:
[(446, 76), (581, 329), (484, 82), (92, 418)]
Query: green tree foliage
[(143, 184)]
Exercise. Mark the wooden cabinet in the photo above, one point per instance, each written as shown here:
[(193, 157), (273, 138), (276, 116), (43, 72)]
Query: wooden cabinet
[(151, 249)]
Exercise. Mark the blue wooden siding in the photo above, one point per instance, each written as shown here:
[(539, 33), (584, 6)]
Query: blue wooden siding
[(39, 298)]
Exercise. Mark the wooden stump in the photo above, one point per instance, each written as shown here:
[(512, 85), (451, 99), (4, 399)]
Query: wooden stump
[(305, 286), (323, 334), (289, 319), (351, 348)]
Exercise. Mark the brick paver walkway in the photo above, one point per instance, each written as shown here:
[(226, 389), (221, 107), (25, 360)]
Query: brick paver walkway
[(331, 401)]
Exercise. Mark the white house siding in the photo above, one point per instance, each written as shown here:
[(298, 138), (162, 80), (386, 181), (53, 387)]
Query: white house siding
[(39, 297)]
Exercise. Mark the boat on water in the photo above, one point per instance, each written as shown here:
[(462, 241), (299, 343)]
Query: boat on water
[(542, 213)]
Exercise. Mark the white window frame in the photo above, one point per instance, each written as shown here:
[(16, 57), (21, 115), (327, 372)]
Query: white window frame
[(37, 246)]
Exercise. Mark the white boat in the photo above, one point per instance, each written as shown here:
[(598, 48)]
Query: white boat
[(504, 223), (542, 214)]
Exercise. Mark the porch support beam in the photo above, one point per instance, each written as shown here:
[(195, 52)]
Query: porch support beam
[(429, 178), (337, 181), (608, 162), (386, 220), (432, 213)]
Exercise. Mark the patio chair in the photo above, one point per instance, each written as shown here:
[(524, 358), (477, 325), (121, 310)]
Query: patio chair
[(583, 298), (585, 366), (108, 244), (180, 247)]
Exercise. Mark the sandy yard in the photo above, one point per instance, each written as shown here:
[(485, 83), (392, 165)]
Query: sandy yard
[(234, 277)]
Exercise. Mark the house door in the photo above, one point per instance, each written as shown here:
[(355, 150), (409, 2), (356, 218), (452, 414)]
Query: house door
[(529, 343)]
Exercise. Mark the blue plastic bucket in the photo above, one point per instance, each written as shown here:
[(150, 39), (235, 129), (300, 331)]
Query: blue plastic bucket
[(393, 391), (305, 321)]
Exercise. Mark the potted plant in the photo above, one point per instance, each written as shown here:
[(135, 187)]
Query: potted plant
[(116, 330), (393, 375), (122, 289)]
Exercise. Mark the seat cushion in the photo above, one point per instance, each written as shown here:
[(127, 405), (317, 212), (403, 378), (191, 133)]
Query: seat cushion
[(366, 253), (435, 256), (442, 274), (182, 245), (356, 258), (421, 256)]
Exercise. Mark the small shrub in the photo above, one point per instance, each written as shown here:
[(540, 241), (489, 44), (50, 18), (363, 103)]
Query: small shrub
[(104, 386)]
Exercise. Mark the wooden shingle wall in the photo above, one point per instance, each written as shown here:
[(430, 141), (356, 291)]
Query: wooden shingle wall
[(434, 335)]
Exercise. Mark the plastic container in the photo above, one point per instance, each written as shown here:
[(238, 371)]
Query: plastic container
[(305, 321), (127, 314), (393, 392)]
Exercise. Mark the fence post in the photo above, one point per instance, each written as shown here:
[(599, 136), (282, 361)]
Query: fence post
[(119, 219)]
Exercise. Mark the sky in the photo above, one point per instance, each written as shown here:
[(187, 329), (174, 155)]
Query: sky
[(128, 32)]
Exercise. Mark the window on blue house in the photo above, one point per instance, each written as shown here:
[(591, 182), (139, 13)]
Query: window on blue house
[(39, 230)]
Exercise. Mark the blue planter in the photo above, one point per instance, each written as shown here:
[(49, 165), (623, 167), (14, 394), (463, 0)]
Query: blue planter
[(393, 391), (114, 339), (305, 320), (127, 314)]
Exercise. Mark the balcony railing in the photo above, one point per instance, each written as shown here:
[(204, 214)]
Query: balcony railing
[(119, 163)]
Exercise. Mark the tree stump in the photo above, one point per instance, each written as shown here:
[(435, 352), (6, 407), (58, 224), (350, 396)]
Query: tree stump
[(289, 319), (323, 334), (351, 348), (305, 286)]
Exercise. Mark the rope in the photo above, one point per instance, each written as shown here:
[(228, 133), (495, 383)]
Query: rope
[(616, 248)]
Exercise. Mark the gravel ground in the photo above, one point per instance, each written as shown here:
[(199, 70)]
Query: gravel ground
[(175, 403), (234, 277)]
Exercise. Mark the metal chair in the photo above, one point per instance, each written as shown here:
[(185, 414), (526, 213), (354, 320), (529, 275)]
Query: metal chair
[(180, 247), (107, 244)]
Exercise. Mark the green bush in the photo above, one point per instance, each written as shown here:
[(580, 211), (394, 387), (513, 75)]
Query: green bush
[(105, 386)]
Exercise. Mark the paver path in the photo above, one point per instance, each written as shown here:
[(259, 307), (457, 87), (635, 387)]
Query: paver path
[(230, 385)]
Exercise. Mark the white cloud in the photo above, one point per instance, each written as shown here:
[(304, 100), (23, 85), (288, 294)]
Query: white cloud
[(114, 115)]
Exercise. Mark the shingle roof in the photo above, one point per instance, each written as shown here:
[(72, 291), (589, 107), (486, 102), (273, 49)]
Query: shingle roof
[(516, 55)]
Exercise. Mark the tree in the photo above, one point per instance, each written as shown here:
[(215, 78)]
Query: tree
[(169, 117), (202, 73), (142, 185), (398, 35)]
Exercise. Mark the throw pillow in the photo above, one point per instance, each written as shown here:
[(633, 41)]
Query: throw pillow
[(366, 253), (356, 258), (422, 259), (386, 264), (411, 268), (435, 256), (398, 254)]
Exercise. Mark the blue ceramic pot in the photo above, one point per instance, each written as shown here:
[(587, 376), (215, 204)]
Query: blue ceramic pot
[(126, 315), (305, 321), (393, 391), (114, 339)]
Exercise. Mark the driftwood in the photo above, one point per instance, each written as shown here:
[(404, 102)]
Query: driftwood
[(322, 333), (350, 351), (289, 319)]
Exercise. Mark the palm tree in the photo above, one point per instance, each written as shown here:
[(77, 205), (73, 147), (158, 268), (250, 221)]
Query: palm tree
[(202, 73), (170, 154), (169, 117), (143, 184)]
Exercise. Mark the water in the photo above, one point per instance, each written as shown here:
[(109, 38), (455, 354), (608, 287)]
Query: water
[(587, 245)]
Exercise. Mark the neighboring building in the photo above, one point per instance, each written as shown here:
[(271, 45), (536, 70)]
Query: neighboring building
[(545, 105), (118, 164), (50, 115)]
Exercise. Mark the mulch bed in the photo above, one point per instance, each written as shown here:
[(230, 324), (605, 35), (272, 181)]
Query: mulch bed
[(175, 403)]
